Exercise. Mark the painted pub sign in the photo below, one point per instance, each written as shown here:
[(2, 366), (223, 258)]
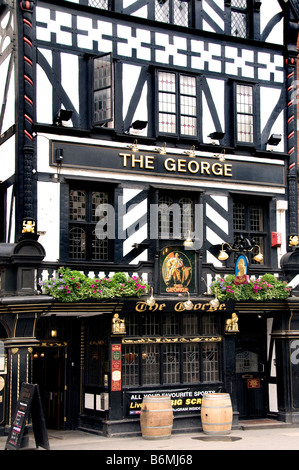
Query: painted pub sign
[(177, 271)]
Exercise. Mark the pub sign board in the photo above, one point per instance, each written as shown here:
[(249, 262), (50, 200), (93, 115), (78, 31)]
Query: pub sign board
[(29, 403), (204, 167), (183, 400), (177, 271)]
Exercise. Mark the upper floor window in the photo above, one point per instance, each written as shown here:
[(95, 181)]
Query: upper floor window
[(239, 18), (172, 11), (176, 215), (249, 221), (177, 104), (244, 114), (103, 4), (102, 90), (86, 209)]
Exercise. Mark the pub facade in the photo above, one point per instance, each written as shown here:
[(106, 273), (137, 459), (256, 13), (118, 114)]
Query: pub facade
[(148, 155)]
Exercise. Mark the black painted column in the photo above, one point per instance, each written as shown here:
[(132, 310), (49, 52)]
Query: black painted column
[(19, 350)]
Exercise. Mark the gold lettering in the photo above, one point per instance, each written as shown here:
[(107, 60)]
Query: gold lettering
[(196, 166), (149, 162), (205, 167), (124, 155), (227, 169), (217, 169), (181, 165), (169, 164), (137, 160)]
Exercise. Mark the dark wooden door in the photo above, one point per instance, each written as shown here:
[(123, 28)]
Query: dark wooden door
[(48, 373), (250, 367)]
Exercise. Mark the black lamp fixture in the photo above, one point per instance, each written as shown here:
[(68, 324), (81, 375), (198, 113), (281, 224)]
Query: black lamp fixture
[(62, 117), (137, 127), (217, 135), (274, 139), (242, 245)]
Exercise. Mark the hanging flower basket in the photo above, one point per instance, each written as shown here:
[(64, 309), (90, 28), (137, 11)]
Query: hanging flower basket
[(266, 287), (73, 286)]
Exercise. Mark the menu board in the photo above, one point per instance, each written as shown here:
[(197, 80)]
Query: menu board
[(29, 404)]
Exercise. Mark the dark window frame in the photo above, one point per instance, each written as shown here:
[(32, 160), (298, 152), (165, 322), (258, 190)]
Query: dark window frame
[(177, 111), (250, 233), (255, 143), (135, 352), (98, 89), (88, 225)]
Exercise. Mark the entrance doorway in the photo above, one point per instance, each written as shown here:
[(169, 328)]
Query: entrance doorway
[(250, 367), (49, 374)]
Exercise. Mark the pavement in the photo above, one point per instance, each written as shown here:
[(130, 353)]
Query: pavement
[(178, 450)]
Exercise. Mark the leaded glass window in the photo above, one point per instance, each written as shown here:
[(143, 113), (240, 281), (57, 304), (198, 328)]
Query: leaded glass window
[(244, 109), (249, 222), (177, 104), (172, 11), (102, 90), (239, 18), (153, 353), (84, 214)]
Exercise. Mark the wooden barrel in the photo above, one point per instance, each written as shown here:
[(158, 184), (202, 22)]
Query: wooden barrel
[(156, 417), (216, 413)]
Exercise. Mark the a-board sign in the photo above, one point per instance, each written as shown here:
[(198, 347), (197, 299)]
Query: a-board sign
[(29, 403)]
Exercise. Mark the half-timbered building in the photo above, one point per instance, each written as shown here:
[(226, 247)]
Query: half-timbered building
[(144, 137)]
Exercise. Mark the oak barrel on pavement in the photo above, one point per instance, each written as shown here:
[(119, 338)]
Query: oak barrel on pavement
[(156, 417), (216, 413)]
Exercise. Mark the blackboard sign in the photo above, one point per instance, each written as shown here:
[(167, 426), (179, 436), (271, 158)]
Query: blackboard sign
[(29, 403)]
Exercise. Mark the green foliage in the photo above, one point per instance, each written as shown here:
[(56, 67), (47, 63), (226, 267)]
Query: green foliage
[(73, 286), (265, 288)]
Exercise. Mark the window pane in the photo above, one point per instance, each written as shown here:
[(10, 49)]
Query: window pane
[(132, 324), (171, 324), (191, 363), (186, 206), (165, 217), (244, 113), (256, 218), (130, 365), (162, 10), (98, 4), (190, 324), (99, 247), (167, 82), (167, 123), (77, 208), (171, 363), (180, 12), (239, 24), (187, 85), (102, 72), (151, 324), (210, 362), (209, 325), (239, 3), (150, 364), (77, 243), (167, 103), (239, 216), (102, 105), (98, 198), (188, 125)]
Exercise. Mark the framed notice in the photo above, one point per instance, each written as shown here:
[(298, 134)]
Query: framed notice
[(115, 367)]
